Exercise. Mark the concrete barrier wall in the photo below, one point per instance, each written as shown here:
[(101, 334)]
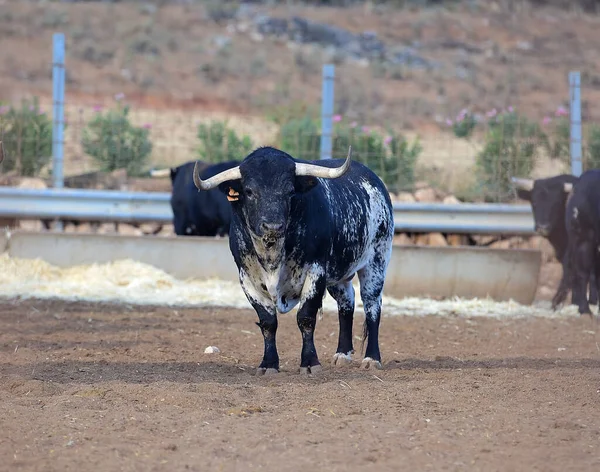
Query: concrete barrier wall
[(421, 271)]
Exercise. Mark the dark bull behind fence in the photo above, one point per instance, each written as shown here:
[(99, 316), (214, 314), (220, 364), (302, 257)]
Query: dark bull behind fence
[(194, 214), (299, 228), (548, 201), (582, 216)]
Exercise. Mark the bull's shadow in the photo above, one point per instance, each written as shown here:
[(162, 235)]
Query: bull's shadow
[(81, 372)]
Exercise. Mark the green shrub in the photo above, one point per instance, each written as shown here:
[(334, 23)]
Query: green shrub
[(114, 143), (218, 143), (27, 135), (559, 143), (592, 160), (511, 148), (391, 157), (464, 124), (301, 138)]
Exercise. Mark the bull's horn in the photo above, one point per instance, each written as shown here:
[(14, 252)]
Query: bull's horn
[(229, 174), (1, 151), (160, 172), (568, 187), (523, 184), (324, 172)]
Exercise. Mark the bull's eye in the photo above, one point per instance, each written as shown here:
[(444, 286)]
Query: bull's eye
[(248, 192)]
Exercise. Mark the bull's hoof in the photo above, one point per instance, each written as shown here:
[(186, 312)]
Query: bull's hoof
[(341, 360), (264, 371), (313, 369), (370, 364)]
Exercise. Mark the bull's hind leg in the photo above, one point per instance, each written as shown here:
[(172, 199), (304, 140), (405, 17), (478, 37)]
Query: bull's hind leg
[(371, 279), (343, 294), (593, 298), (596, 273), (584, 264)]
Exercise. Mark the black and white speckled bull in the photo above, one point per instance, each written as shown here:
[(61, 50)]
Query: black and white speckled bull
[(299, 228)]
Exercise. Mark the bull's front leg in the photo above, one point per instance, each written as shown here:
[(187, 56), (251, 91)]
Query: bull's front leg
[(267, 322), (268, 325), (310, 303)]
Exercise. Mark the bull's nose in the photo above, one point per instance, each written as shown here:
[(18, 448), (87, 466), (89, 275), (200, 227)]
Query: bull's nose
[(276, 228)]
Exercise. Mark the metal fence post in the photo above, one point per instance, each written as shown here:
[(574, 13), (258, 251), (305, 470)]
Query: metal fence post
[(575, 98), (327, 111), (58, 100)]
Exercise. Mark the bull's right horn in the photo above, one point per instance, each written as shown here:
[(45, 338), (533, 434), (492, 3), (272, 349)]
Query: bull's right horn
[(229, 174), (1, 151), (568, 187), (523, 184)]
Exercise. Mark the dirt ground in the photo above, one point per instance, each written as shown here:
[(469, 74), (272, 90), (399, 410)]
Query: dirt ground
[(108, 387)]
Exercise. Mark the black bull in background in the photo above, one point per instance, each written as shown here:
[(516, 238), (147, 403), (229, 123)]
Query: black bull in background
[(548, 199), (582, 258), (198, 213)]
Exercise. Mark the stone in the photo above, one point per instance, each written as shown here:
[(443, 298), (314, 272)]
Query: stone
[(457, 240), (425, 195), (502, 244), (405, 197), (450, 200), (436, 239), (511, 243), (30, 225), (403, 239), (483, 239), (422, 239), (32, 183), (130, 230), (543, 245)]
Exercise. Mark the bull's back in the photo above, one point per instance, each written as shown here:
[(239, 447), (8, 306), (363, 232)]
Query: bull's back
[(361, 214)]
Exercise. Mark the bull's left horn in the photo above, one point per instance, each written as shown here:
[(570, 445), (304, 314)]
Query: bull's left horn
[(229, 174), (568, 187), (324, 172), (523, 184)]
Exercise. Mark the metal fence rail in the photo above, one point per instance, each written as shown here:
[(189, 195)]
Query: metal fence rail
[(140, 207)]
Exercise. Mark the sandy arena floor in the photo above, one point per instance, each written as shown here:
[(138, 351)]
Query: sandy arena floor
[(89, 386)]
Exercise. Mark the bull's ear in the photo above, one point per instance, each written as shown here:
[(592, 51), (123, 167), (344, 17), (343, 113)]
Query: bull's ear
[(173, 173), (231, 189), (524, 194), (304, 183)]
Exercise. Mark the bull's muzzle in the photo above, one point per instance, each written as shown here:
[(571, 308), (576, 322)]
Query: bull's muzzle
[(271, 232)]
